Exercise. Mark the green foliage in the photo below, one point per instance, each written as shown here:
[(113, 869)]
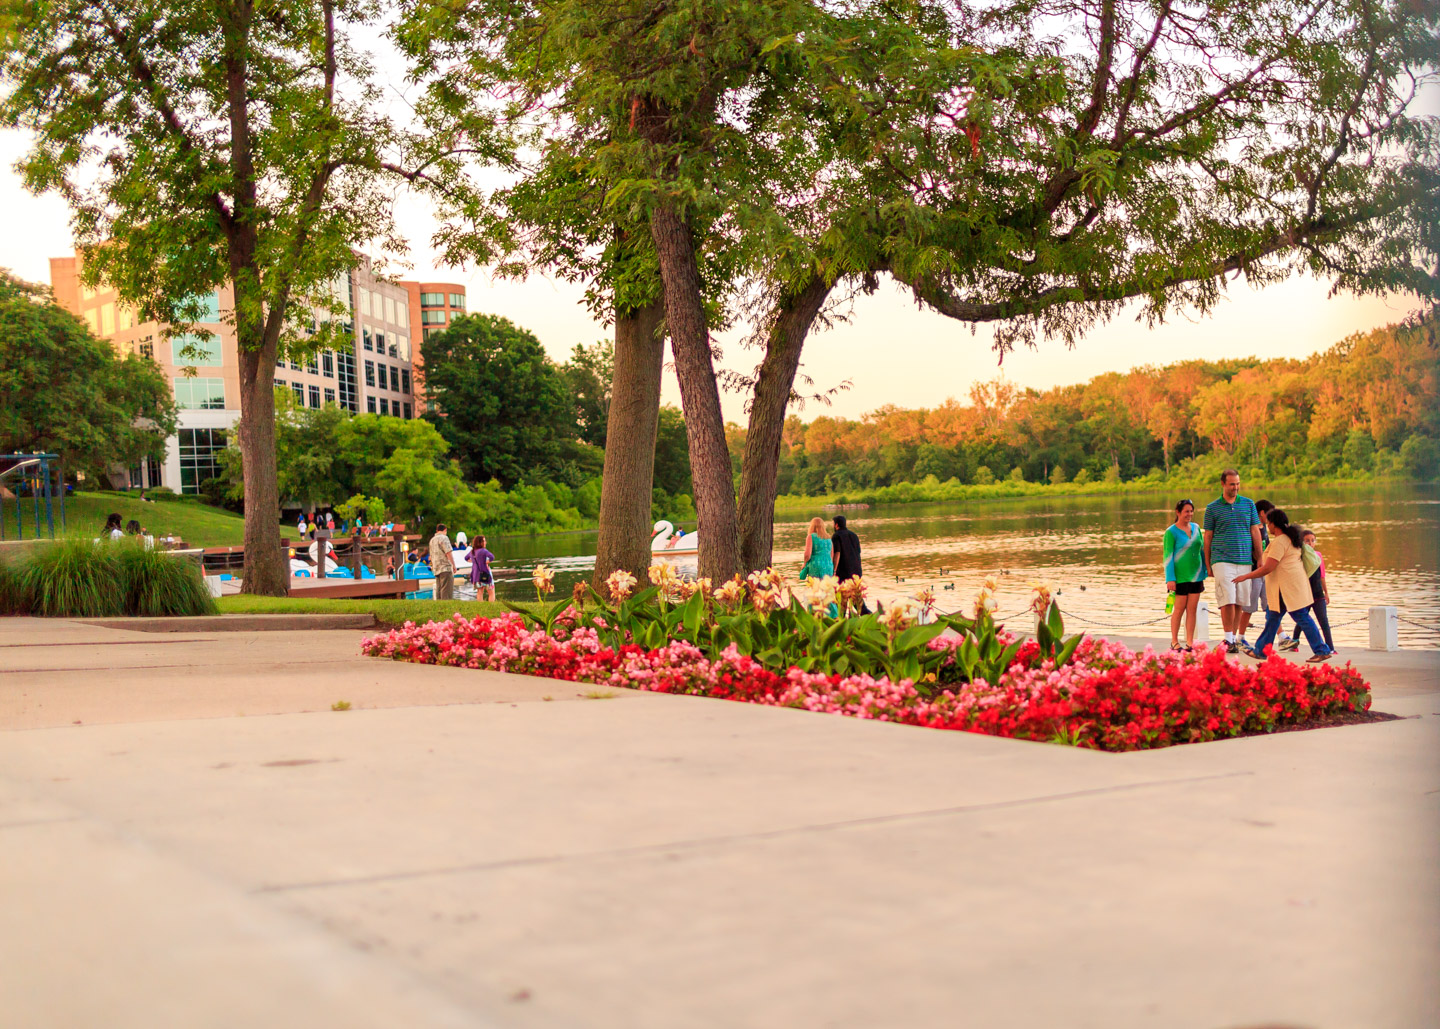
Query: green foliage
[(984, 476), (672, 453), (370, 509), (498, 400), (64, 391), (77, 577), (1359, 450), (795, 636), (588, 375), (1420, 457)]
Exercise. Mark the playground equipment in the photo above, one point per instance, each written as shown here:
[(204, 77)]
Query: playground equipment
[(43, 477)]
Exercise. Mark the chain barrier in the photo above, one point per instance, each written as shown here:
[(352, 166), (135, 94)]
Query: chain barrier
[(1422, 625)]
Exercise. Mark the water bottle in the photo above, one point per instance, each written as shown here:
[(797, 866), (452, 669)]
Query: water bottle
[(1170, 602)]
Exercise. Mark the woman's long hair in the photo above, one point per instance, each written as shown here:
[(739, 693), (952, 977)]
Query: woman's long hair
[(1280, 521), (817, 526)]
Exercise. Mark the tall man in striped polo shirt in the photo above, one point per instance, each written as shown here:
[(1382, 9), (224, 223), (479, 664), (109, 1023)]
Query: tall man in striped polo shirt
[(1232, 544)]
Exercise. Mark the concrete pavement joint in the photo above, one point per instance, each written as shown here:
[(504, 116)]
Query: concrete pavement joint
[(769, 834)]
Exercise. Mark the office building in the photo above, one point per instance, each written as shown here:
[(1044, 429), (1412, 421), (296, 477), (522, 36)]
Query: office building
[(433, 305), (373, 375)]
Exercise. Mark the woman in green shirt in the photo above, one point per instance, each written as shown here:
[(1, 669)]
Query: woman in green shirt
[(1184, 572)]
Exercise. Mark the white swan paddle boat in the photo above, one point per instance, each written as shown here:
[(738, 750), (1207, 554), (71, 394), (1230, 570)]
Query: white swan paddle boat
[(667, 541)]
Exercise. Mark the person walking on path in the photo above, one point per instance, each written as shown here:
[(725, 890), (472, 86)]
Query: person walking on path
[(1319, 590), (481, 576), (1232, 544), (1184, 572), (1262, 599), (442, 564), (1284, 565), (846, 547)]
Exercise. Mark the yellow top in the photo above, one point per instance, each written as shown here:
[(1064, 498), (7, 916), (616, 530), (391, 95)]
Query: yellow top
[(1287, 584)]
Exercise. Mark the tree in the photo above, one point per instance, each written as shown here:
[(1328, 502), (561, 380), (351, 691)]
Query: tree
[(672, 453), (64, 391), (498, 400), (588, 375), (1420, 457), (208, 143)]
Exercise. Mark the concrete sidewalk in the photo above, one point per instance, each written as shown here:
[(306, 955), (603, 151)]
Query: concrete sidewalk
[(459, 850)]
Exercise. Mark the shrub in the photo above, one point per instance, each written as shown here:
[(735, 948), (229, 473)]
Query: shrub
[(1082, 477), (984, 476), (81, 578), (156, 584), (73, 578), (1420, 457)]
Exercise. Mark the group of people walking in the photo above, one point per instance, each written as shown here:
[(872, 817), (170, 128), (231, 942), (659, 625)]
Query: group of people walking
[(1260, 560), (441, 555)]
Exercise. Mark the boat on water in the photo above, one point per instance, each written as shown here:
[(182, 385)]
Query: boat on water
[(667, 540)]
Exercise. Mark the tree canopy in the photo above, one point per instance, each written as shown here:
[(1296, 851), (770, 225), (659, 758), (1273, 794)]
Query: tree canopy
[(200, 144), (64, 391)]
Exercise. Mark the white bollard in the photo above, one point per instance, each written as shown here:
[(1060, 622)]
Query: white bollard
[(213, 583), (1384, 628), (1202, 620)]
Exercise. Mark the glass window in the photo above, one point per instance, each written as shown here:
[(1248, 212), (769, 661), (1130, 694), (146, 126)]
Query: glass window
[(402, 345), (92, 319), (379, 342), (200, 394), (314, 396), (368, 337), (211, 308), (369, 373), (199, 457), (107, 319), (384, 406), (206, 349), (457, 301), (329, 396), (146, 348), (327, 364), (299, 390), (127, 319), (312, 365), (345, 373), (389, 309), (407, 410), (432, 299), (279, 383), (430, 332), (280, 363), (402, 314), (294, 366), (370, 404), (432, 317), (404, 380), (364, 300)]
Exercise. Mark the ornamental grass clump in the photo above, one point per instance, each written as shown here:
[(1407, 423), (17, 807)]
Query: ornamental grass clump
[(79, 577)]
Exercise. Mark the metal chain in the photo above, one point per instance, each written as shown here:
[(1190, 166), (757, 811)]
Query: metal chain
[(1411, 621)]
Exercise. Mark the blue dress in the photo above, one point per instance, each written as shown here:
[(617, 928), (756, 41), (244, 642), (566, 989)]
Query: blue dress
[(821, 561)]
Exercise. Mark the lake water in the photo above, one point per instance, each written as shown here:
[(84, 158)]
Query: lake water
[(1380, 547)]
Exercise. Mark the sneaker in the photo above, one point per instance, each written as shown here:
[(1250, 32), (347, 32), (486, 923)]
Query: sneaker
[(1251, 652), (1290, 646), (1319, 659), (1243, 643)]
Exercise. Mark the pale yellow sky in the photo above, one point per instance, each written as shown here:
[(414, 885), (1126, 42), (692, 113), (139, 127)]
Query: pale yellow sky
[(891, 352)]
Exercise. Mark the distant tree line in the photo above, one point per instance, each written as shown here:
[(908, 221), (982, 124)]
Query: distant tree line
[(1366, 407)]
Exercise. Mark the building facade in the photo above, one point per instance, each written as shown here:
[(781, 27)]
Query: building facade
[(433, 306), (374, 375)]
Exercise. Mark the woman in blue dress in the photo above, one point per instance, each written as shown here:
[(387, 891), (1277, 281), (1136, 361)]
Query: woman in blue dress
[(819, 557)]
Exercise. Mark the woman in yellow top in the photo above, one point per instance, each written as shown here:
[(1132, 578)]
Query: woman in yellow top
[(1288, 588)]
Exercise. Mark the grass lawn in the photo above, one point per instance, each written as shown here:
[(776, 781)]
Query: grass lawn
[(198, 524), (390, 612)]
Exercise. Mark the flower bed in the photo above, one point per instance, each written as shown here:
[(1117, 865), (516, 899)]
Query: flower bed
[(1106, 697)]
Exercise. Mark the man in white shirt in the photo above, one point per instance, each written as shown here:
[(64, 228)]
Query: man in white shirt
[(442, 563)]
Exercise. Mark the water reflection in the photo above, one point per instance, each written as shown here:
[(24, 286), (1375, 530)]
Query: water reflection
[(1380, 546)]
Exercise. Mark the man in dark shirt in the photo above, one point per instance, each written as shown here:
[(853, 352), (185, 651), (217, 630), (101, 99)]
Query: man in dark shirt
[(847, 554)]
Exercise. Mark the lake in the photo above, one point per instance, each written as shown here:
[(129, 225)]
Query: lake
[(1380, 547)]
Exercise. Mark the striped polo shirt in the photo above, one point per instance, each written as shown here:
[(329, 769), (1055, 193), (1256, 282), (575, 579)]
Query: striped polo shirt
[(1231, 524)]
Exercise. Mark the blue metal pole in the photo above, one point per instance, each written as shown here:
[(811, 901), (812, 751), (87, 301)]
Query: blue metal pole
[(49, 506)]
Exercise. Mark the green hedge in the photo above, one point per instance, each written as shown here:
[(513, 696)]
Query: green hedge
[(82, 578)]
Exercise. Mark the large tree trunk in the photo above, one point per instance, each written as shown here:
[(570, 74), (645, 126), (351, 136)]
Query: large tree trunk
[(760, 466), (634, 419), (267, 572), (699, 394)]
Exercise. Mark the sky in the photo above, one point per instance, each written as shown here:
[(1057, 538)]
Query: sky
[(889, 351)]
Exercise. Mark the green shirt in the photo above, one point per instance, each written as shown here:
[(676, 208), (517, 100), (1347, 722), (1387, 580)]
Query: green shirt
[(1230, 523)]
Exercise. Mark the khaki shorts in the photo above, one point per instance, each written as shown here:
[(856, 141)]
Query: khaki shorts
[(1228, 592)]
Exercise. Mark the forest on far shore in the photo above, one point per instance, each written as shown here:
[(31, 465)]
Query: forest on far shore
[(1365, 408)]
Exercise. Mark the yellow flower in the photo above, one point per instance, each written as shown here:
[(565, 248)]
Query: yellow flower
[(926, 599), (820, 591), (543, 578), (898, 616), (1040, 603), (984, 604), (731, 593), (620, 584)]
